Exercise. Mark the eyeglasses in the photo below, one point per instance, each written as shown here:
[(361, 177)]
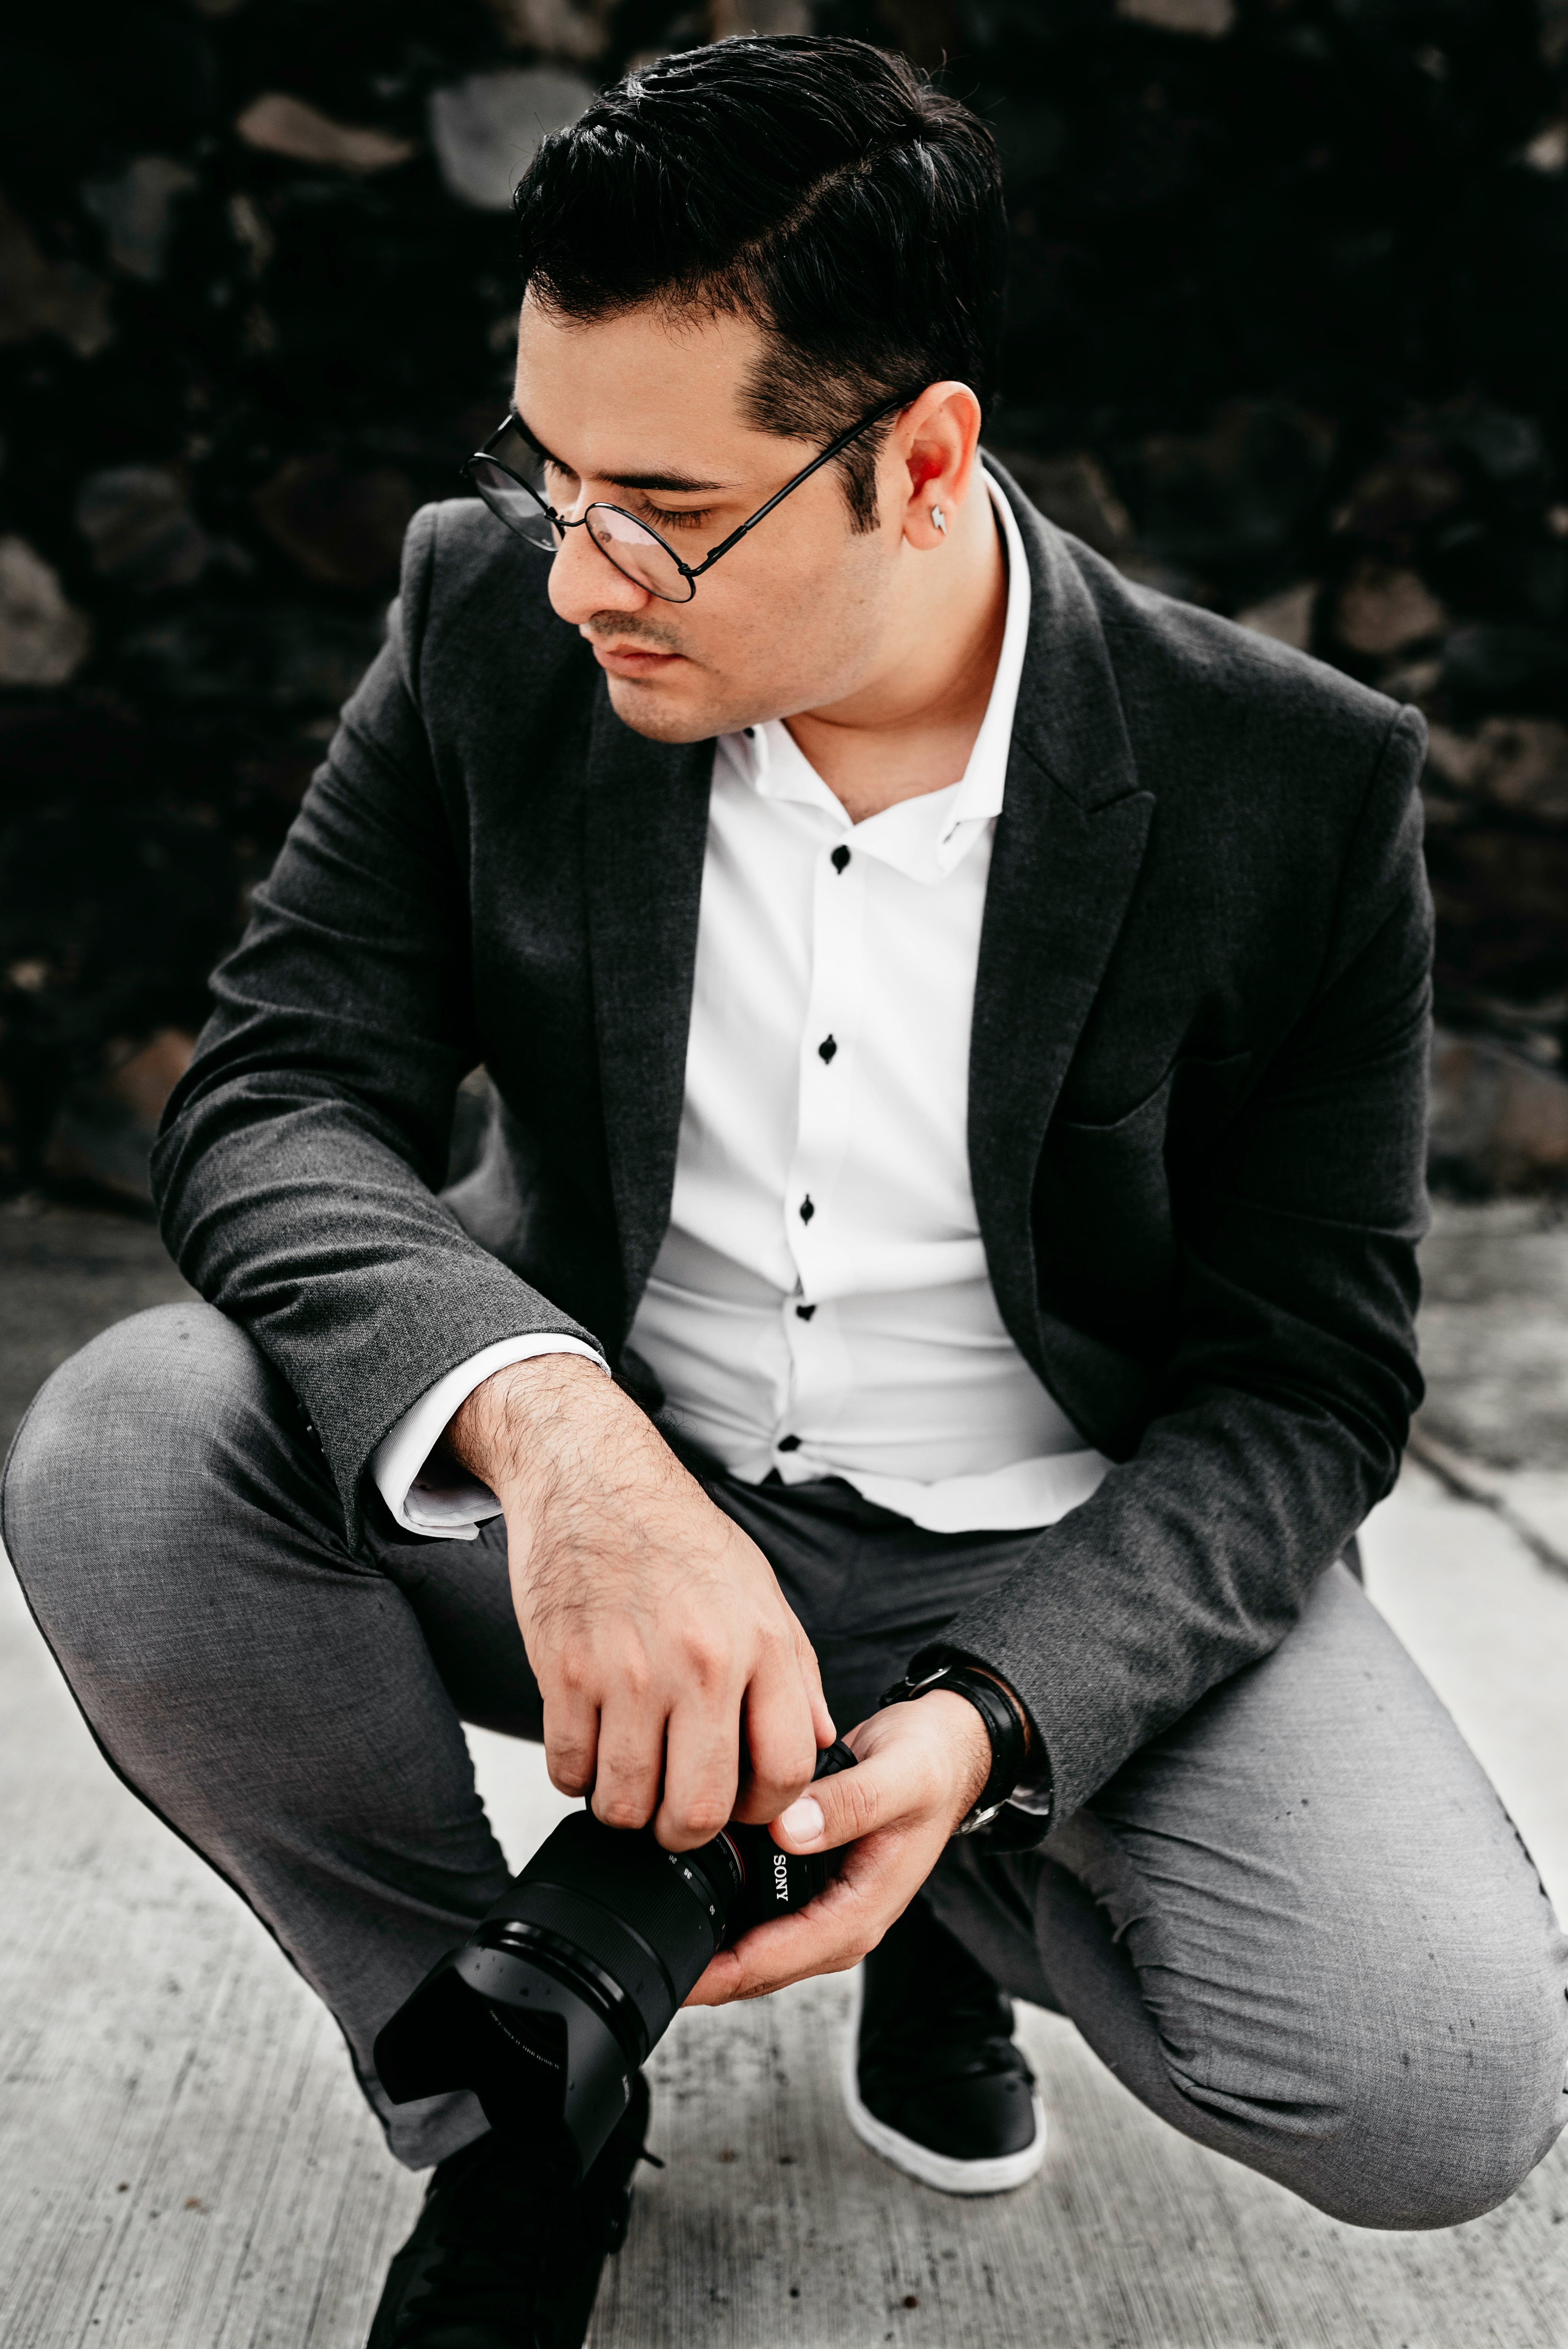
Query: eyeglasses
[(513, 490)]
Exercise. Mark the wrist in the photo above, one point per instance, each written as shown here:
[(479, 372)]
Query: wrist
[(508, 1430), (966, 1745), (1004, 1722)]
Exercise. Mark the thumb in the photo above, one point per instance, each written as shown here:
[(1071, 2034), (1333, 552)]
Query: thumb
[(840, 1809)]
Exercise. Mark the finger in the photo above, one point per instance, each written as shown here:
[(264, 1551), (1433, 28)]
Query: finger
[(630, 1761), (701, 1767), (571, 1741), (780, 1743), (893, 1783), (772, 1956), (822, 1728), (830, 1935)]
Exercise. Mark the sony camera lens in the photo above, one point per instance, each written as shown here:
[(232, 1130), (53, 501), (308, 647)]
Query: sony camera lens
[(553, 2003)]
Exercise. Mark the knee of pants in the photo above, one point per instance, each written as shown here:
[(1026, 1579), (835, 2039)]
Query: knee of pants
[(1427, 2161), (1430, 2111), (136, 1457)]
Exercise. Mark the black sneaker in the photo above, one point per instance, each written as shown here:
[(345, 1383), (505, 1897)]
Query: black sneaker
[(500, 2259), (933, 2078)]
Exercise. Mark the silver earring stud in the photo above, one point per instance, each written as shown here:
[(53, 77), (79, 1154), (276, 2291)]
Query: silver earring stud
[(940, 519)]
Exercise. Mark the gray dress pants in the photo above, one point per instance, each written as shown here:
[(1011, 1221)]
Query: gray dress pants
[(1298, 1925)]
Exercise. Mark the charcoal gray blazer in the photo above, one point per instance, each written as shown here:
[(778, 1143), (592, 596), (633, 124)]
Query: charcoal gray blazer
[(1196, 1102)]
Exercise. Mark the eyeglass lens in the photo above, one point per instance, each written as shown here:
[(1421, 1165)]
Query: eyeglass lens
[(521, 507), (634, 551)]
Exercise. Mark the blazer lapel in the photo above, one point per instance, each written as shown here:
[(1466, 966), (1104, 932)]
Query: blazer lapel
[(1069, 843), (646, 833)]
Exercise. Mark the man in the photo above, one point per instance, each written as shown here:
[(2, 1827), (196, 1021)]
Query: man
[(957, 1024)]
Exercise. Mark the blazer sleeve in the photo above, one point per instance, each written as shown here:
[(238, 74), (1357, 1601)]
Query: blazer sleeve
[(296, 1164), (1285, 1403)]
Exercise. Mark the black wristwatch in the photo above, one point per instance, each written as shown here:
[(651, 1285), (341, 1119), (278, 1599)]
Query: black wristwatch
[(1003, 1727)]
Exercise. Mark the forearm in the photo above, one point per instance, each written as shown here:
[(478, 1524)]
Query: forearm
[(1192, 1561), (558, 1443)]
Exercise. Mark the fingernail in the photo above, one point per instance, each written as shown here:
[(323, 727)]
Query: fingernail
[(803, 1820)]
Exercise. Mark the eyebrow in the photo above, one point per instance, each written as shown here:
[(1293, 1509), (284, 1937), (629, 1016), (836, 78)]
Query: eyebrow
[(676, 484)]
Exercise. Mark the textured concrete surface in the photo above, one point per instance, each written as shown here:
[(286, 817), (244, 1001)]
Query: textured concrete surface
[(1494, 1330), (184, 2163), (66, 1273)]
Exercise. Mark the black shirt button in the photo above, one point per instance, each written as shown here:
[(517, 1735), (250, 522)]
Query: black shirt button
[(804, 1312), (826, 1049), (788, 1444), (807, 1209), (841, 858)]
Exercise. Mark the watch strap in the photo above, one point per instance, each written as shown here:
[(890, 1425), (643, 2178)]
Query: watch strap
[(1003, 1727)]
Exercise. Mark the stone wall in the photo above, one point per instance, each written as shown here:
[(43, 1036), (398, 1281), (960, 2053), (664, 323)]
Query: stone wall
[(1284, 338)]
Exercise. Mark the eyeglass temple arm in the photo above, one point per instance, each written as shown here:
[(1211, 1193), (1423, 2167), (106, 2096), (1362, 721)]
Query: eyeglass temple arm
[(833, 449), (695, 571)]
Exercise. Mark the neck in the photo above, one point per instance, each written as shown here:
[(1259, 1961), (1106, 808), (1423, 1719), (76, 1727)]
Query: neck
[(911, 729)]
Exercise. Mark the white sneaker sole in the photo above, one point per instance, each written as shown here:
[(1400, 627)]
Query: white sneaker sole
[(998, 2175)]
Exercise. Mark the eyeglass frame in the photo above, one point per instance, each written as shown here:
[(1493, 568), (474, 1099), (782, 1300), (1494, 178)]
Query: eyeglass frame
[(690, 572)]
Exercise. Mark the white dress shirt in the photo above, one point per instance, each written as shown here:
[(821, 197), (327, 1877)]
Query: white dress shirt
[(820, 1305)]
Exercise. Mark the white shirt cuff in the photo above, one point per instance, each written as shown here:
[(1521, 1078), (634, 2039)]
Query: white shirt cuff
[(434, 1497), (1035, 1799)]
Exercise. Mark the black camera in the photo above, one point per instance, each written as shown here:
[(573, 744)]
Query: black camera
[(553, 2003)]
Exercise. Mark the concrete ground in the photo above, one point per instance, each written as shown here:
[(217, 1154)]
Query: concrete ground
[(184, 2163)]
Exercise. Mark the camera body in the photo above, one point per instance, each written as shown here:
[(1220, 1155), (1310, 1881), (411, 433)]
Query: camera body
[(551, 2006)]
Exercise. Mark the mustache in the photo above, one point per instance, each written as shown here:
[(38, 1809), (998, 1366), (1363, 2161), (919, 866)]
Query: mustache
[(619, 628)]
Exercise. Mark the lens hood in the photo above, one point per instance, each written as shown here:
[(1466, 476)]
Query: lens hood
[(574, 1975)]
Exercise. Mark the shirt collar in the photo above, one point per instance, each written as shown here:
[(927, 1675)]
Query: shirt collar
[(926, 837)]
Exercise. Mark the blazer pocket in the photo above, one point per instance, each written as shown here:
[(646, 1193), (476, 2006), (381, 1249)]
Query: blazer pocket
[(1192, 1090), (1104, 1207)]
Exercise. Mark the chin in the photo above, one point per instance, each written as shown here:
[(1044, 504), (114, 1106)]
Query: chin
[(661, 716)]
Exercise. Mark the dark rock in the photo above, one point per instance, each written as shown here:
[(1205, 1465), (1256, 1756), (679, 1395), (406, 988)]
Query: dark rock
[(579, 29), (43, 640), (344, 529), (1076, 493), (1210, 19), (1485, 669), (1499, 1122), (1501, 899), (136, 212), (1288, 618), (106, 1127), (140, 528), (1233, 498), (284, 657), (38, 297), (1517, 763), (485, 129), (1555, 31), (1391, 502), (282, 125), (1381, 611)]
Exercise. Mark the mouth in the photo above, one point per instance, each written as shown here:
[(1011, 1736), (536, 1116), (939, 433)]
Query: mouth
[(633, 660)]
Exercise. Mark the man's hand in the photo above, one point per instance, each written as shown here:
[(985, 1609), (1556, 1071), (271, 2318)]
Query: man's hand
[(657, 1633), (920, 1768)]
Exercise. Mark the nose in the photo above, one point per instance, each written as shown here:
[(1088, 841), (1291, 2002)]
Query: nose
[(583, 580)]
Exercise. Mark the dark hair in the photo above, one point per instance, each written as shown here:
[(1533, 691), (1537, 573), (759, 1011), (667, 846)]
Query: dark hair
[(820, 186)]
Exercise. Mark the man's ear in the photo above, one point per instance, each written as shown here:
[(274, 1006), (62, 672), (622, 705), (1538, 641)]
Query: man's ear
[(936, 441)]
